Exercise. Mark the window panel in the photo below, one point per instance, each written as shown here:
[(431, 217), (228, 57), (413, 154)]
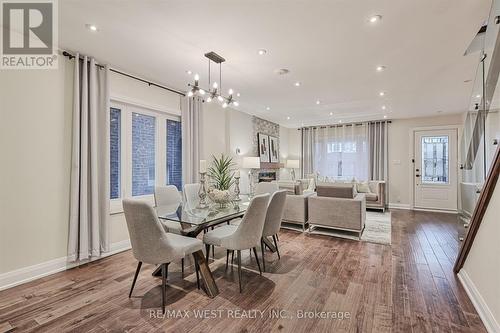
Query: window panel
[(143, 154), (435, 159), (115, 153), (174, 153)]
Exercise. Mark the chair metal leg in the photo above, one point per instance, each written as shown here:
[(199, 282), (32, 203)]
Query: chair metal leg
[(277, 238), (262, 250), (276, 245), (213, 252), (238, 253), (232, 257), (207, 251), (139, 264), (227, 258), (257, 259), (182, 268), (163, 285), (197, 273)]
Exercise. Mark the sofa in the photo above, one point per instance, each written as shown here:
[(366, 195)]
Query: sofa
[(337, 206)]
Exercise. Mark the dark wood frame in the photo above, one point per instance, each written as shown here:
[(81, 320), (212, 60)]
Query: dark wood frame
[(479, 211)]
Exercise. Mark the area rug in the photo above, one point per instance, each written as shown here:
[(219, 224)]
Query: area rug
[(377, 229)]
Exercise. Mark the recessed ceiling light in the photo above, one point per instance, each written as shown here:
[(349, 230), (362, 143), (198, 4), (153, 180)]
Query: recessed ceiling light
[(318, 102), (375, 18), (331, 113), (287, 118), (384, 107), (340, 121), (238, 94), (478, 96), (297, 84), (381, 68), (268, 108), (262, 51), (381, 93), (385, 117), (188, 72), (91, 27)]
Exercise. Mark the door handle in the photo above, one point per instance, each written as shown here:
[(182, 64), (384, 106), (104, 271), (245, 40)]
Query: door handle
[(417, 176)]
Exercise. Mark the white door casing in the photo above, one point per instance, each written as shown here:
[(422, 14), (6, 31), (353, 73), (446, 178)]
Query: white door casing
[(435, 169)]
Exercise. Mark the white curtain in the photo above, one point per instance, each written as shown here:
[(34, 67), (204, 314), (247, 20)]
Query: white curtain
[(192, 137), (89, 192), (377, 138), (341, 152)]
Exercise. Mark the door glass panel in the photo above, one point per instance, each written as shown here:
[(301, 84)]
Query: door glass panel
[(435, 160)]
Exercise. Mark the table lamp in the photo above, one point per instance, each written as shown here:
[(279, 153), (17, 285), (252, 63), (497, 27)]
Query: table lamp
[(251, 163)]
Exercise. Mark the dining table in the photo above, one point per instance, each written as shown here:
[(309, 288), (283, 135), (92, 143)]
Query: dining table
[(190, 220)]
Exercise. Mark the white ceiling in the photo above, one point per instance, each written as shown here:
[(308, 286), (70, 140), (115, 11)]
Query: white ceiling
[(329, 46)]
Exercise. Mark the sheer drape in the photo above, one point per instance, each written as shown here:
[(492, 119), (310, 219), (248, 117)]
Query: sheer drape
[(89, 191), (341, 152), (192, 127), (352, 151)]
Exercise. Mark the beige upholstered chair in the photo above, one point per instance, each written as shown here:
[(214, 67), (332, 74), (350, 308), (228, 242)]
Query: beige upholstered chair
[(246, 235), (337, 206), (151, 244), (375, 199), (191, 197), (272, 224), (266, 187)]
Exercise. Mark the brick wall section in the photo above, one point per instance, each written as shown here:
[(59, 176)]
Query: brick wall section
[(143, 154), (265, 127), (174, 153), (115, 153)]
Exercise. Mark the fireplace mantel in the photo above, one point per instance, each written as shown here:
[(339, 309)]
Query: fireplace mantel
[(267, 165)]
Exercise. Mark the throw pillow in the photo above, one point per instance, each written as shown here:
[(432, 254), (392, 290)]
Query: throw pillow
[(363, 187)]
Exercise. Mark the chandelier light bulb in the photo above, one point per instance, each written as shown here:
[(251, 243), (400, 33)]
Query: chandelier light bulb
[(230, 92), (215, 85), (235, 103), (202, 92), (238, 95), (196, 77), (190, 93), (224, 105), (220, 98), (209, 99)]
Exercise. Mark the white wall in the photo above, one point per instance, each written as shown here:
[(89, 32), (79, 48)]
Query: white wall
[(400, 153), (481, 272), (35, 146)]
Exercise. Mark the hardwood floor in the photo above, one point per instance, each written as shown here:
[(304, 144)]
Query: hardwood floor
[(406, 287)]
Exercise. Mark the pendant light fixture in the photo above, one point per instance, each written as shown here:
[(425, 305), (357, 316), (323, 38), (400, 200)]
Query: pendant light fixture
[(214, 90)]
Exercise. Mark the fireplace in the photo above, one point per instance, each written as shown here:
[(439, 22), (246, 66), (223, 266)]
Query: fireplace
[(267, 176)]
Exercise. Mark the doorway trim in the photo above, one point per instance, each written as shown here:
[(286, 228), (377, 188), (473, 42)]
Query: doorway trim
[(411, 157)]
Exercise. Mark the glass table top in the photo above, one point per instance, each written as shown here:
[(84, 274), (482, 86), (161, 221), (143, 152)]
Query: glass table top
[(185, 213)]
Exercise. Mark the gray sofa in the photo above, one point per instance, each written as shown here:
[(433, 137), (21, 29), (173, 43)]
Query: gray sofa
[(376, 198), (337, 206)]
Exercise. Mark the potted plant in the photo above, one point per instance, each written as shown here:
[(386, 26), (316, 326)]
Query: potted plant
[(221, 174)]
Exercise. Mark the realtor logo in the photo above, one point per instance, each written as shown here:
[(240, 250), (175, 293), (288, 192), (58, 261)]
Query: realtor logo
[(29, 34)]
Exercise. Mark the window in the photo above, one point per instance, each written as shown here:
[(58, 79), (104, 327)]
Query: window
[(145, 151), (115, 153), (435, 159), (143, 154), (174, 153)]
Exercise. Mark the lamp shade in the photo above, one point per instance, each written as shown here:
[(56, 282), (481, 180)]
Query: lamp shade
[(251, 162), (293, 164)]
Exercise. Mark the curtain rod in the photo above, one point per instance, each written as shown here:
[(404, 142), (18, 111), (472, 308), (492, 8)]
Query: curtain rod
[(350, 124), (71, 56)]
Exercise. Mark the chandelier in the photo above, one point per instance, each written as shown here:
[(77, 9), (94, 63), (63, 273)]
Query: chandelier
[(214, 90)]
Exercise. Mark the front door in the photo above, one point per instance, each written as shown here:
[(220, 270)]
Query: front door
[(435, 169)]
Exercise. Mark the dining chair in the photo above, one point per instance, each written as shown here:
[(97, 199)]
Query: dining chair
[(191, 197), (151, 244), (169, 196), (266, 187), (246, 235), (272, 224)]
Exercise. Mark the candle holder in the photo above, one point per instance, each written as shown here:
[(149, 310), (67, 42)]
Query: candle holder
[(237, 189), (202, 192)]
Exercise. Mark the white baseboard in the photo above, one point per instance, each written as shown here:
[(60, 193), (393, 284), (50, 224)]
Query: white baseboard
[(30, 273), (480, 305), (435, 210), (399, 206)]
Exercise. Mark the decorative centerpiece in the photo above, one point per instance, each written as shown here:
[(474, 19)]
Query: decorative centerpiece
[(221, 179)]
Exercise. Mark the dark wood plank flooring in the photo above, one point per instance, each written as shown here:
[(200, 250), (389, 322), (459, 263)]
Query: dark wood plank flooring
[(406, 287)]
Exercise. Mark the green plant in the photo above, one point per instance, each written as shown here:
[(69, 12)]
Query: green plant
[(221, 172)]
